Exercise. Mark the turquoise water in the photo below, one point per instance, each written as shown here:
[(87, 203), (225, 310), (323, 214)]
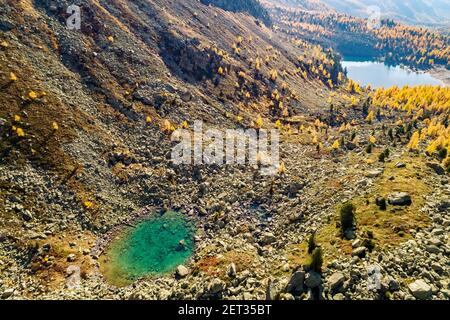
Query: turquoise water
[(152, 247), (378, 74)]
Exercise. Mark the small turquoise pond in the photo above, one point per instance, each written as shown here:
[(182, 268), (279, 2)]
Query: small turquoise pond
[(152, 247)]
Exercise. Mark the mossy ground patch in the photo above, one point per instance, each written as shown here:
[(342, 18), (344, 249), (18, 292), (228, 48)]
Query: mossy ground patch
[(390, 227)]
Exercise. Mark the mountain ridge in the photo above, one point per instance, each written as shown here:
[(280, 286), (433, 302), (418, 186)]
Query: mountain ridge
[(434, 13)]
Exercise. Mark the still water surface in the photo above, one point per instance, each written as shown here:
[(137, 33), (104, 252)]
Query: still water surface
[(378, 74)]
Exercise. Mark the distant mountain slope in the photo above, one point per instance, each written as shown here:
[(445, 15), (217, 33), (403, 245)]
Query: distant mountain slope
[(423, 12), (394, 43), (252, 7), (311, 5), (415, 12)]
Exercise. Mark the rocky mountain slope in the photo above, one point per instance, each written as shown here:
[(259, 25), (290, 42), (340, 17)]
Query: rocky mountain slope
[(86, 125)]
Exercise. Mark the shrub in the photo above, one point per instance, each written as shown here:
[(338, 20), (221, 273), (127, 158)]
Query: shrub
[(381, 203), (55, 126), (347, 215), (278, 124), (32, 95), (88, 204), (258, 64), (400, 130), (370, 117), (273, 75), (259, 122), (20, 132), (316, 260), (409, 127), (369, 148), (391, 134), (12, 77), (335, 145), (184, 125), (414, 142), (312, 243), (168, 127), (369, 244), (446, 163), (442, 153), (282, 169), (384, 155)]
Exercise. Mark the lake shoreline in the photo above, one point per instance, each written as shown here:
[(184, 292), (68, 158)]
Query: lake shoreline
[(442, 74), (378, 74)]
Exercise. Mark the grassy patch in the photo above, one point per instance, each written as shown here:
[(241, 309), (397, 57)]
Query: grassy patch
[(390, 227), (298, 255)]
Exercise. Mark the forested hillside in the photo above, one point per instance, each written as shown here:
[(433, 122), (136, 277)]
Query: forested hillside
[(416, 47), (252, 7)]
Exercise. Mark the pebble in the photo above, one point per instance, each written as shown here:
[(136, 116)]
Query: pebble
[(7, 293), (182, 271), (420, 289), (71, 257), (336, 280)]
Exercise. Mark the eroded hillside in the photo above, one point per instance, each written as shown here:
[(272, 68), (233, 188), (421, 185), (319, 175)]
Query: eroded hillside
[(130, 63), (87, 117)]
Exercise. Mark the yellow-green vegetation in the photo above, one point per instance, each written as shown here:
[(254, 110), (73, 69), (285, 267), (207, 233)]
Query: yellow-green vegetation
[(316, 259), (298, 255), (390, 227)]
